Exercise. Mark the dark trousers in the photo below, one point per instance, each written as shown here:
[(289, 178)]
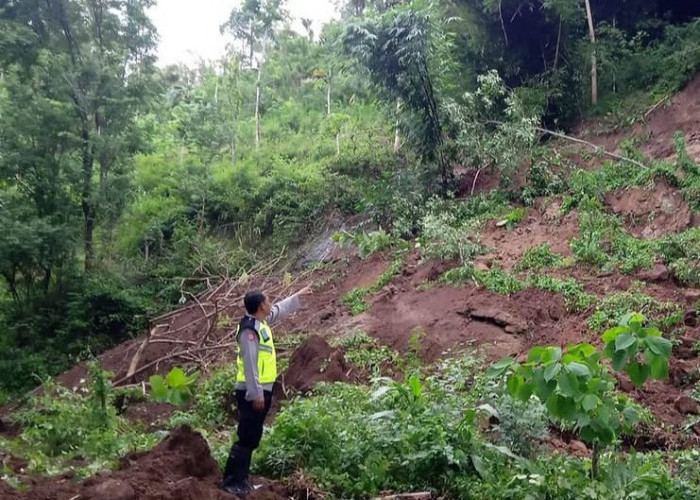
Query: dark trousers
[(250, 431)]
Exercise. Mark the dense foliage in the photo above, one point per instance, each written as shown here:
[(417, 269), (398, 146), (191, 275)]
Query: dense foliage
[(123, 185)]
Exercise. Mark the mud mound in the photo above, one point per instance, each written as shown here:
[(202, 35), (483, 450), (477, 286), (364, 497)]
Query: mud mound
[(315, 361), (651, 213), (179, 468)]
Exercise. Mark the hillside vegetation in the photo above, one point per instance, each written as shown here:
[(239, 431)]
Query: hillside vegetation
[(497, 204)]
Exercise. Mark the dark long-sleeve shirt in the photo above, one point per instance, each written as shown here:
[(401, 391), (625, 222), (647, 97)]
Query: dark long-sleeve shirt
[(250, 346)]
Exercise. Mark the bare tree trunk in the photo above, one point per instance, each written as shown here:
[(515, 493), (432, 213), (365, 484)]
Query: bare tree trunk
[(86, 195), (257, 108), (594, 59), (556, 54), (329, 110), (397, 138)]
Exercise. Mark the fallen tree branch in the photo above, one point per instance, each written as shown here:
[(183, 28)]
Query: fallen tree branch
[(591, 145)]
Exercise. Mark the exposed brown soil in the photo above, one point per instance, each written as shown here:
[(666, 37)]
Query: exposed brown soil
[(544, 224), (680, 113), (180, 467), (651, 213)]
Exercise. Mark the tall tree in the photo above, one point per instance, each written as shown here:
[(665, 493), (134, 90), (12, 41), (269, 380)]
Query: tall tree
[(594, 57), (254, 23), (95, 57)]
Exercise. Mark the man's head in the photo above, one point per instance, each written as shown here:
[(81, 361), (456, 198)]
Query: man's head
[(257, 304)]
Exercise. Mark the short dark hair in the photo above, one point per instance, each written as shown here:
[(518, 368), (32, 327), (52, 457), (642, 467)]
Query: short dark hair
[(252, 301)]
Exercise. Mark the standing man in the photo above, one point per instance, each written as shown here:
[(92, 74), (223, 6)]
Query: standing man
[(255, 379)]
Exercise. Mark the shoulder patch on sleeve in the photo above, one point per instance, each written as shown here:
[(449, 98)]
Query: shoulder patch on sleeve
[(251, 336)]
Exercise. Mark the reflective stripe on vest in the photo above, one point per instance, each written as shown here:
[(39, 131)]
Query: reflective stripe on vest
[(267, 359)]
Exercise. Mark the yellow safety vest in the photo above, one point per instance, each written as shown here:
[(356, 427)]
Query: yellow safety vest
[(267, 358)]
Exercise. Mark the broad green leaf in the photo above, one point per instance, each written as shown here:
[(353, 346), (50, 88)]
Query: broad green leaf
[(595, 384), (658, 366), (159, 391), (585, 350), (659, 346), (177, 397), (582, 420), (518, 388), (623, 341), (551, 354), (630, 318), (535, 354), (631, 416), (416, 386), (176, 378), (578, 369), (551, 371), (480, 466), (619, 360), (639, 373), (499, 368), (590, 402), (561, 407), (514, 383), (652, 332), (568, 384), (613, 333)]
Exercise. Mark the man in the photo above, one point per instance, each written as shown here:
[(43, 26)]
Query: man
[(255, 379)]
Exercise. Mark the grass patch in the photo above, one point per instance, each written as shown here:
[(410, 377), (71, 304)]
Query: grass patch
[(539, 257), (575, 297)]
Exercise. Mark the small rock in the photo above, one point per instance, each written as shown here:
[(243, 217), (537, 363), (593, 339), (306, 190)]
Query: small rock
[(578, 446), (480, 266), (500, 318), (685, 405), (625, 385), (658, 274), (326, 315), (111, 489), (692, 295), (690, 318)]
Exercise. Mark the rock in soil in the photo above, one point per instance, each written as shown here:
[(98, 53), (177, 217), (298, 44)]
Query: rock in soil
[(500, 318), (111, 489), (685, 405), (658, 274)]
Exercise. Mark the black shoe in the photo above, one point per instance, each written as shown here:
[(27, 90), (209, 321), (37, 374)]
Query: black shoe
[(238, 489)]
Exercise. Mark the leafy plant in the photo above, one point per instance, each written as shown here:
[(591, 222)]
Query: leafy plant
[(175, 388), (539, 257), (367, 243), (612, 308), (576, 387), (638, 351), (514, 217), (366, 353)]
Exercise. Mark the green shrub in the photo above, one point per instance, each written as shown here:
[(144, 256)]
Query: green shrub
[(366, 353), (356, 441), (539, 257), (61, 425)]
